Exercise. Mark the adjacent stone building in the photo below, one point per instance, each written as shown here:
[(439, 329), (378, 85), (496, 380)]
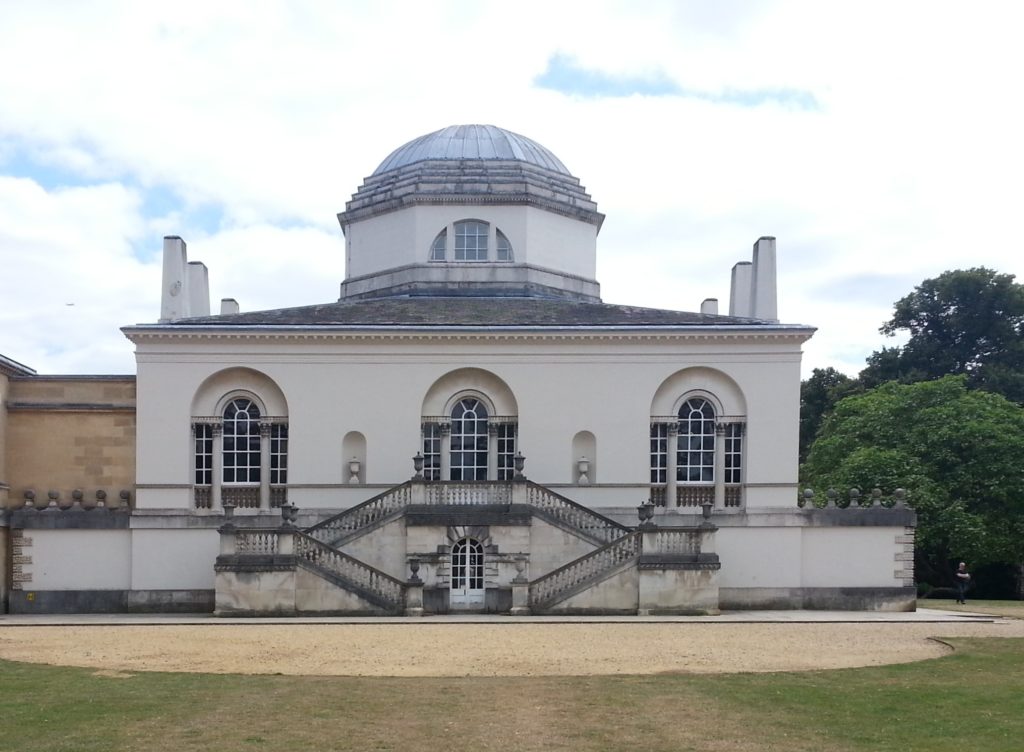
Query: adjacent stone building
[(468, 427)]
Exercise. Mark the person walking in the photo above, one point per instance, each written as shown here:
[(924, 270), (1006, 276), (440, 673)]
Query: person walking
[(963, 579)]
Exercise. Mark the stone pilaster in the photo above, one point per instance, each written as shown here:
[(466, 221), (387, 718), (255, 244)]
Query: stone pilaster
[(217, 474), (719, 465), (265, 465), (671, 465), (446, 451)]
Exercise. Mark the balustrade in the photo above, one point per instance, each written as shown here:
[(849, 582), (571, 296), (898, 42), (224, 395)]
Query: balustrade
[(278, 496), (362, 515), (695, 496), (325, 558), (243, 497), (586, 568), (202, 497), (698, 495), (669, 541), (469, 493), (256, 542), (380, 507), (573, 514)]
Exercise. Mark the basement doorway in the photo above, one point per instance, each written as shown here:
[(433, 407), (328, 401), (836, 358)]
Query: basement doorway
[(467, 575)]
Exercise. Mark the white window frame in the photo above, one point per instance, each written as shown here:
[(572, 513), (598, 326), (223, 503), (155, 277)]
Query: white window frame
[(203, 454), (459, 467), (439, 248), (471, 240), (502, 247), (242, 473), (695, 445)]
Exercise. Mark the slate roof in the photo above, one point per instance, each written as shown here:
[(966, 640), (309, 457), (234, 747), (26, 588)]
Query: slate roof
[(465, 311)]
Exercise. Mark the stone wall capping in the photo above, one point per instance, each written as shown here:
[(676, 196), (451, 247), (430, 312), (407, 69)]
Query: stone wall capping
[(853, 499)]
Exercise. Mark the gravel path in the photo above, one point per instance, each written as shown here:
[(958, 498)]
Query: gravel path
[(480, 649)]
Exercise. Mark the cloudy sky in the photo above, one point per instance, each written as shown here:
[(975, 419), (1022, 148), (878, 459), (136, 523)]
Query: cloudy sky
[(880, 142)]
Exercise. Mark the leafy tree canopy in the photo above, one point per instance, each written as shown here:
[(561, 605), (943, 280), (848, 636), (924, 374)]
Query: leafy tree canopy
[(967, 322), (957, 452), (818, 395)]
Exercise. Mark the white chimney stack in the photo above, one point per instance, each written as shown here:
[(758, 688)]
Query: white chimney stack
[(764, 296), (739, 291), (228, 306), (198, 289), (174, 299), (709, 307)]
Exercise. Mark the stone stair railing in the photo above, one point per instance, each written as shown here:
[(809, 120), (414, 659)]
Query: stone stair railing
[(469, 492), (362, 516), (673, 541), (350, 573), (256, 542), (578, 517), (580, 573)]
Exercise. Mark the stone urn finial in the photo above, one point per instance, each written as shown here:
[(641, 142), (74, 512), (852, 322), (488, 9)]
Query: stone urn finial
[(583, 471), (519, 462), (646, 513)]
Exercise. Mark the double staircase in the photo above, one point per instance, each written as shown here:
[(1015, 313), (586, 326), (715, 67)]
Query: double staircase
[(317, 550)]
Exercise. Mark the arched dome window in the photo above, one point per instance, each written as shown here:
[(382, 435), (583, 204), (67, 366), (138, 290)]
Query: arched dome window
[(437, 248), (503, 246), (472, 240)]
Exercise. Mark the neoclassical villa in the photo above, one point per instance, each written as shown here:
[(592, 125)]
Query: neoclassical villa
[(468, 427)]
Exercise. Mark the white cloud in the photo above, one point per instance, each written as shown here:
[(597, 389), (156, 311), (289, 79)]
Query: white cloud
[(273, 113)]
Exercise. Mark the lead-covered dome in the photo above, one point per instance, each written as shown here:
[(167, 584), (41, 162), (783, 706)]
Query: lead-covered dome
[(471, 210), (471, 164), (462, 142)]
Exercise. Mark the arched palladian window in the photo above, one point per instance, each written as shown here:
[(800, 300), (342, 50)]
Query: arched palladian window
[(695, 446), (472, 241), (469, 440), (696, 456), (469, 443), (241, 442), (240, 456)]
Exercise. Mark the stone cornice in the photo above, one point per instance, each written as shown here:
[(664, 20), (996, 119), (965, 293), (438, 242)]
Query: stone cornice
[(268, 333), (562, 208), (71, 407), (10, 367)]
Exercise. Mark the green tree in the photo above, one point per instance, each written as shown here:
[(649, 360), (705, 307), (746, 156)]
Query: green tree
[(818, 395), (957, 451), (967, 322)]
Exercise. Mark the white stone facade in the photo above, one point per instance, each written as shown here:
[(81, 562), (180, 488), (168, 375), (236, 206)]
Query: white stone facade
[(603, 407)]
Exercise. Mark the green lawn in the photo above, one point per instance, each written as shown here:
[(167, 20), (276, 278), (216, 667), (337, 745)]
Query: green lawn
[(970, 700), (1012, 609)]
